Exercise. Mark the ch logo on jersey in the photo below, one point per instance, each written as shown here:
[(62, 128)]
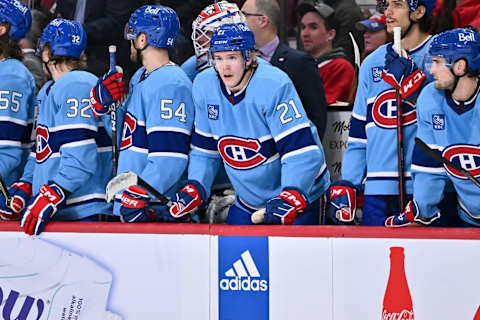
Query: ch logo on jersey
[(240, 153), (467, 156), (42, 148), (129, 127), (384, 111)]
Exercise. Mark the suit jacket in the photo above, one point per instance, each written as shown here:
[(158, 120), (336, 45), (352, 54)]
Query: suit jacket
[(104, 24), (303, 72)]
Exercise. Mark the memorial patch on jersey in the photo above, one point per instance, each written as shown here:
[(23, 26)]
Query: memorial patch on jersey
[(465, 155), (384, 111), (438, 121), (377, 74), (129, 127), (240, 153), (42, 148), (213, 111)]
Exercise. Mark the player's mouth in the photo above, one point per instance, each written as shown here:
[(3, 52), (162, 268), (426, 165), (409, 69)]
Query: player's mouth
[(306, 42)]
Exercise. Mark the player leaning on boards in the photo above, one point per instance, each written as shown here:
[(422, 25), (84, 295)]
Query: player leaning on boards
[(157, 116), (250, 116), (448, 118), (371, 149), (17, 100), (70, 167)]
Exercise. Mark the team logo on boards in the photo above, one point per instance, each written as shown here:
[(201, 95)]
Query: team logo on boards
[(384, 111), (466, 156)]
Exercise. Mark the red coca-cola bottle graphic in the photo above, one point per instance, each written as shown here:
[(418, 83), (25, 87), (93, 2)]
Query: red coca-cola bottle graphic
[(397, 302)]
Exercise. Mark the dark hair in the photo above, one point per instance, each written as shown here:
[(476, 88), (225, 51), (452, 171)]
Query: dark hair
[(73, 63), (330, 22), (9, 48), (444, 20), (425, 22)]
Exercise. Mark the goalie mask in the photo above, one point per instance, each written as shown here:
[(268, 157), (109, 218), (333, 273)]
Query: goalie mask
[(207, 22)]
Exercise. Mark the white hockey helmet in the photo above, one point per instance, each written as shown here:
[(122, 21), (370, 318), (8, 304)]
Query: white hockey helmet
[(207, 22)]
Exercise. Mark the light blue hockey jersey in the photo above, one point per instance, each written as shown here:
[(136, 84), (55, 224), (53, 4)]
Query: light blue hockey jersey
[(190, 67), (262, 134), (157, 126), (71, 147), (372, 142), (452, 129), (17, 103)]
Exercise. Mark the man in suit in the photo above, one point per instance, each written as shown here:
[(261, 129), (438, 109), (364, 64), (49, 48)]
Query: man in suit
[(263, 18)]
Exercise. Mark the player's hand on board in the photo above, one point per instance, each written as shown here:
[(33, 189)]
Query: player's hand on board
[(341, 202), (284, 208), (188, 199), (20, 193), (134, 205)]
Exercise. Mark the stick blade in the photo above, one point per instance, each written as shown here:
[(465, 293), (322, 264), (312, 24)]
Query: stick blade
[(120, 182)]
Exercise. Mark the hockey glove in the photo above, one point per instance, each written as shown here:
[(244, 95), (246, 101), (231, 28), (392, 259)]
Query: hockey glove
[(341, 202), (42, 208), (402, 74), (188, 199), (410, 216), (134, 206), (284, 208), (109, 88), (20, 192)]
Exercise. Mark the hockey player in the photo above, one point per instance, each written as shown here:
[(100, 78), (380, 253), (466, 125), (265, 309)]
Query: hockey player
[(371, 149), (70, 167), (203, 27), (17, 100), (448, 118), (250, 116), (158, 113)]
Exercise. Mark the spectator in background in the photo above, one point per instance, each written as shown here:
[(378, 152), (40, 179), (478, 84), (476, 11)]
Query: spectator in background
[(374, 33), (263, 18), (318, 29), (451, 14), (28, 45), (104, 22)]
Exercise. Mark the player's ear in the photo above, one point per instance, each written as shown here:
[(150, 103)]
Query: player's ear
[(3, 29), (331, 34), (460, 67), (419, 13)]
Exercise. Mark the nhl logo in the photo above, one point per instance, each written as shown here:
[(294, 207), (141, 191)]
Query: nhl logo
[(438, 121), (213, 111)]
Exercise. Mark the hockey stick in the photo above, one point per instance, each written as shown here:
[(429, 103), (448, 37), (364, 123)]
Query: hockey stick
[(397, 46), (257, 216), (113, 113), (127, 179), (6, 194), (438, 157)]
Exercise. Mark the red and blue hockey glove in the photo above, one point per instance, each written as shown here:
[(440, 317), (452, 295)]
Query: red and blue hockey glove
[(109, 88), (188, 199), (134, 207), (402, 74), (42, 207), (410, 216), (20, 192), (341, 202), (284, 208)]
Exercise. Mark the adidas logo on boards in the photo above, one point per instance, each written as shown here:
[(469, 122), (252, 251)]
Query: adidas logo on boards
[(243, 276)]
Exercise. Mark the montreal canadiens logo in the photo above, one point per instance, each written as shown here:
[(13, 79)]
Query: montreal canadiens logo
[(384, 111), (466, 156), (42, 149), (240, 153), (129, 127)]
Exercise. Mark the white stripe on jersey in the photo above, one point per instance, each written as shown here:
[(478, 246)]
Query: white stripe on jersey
[(204, 150), (291, 130), (428, 169), (168, 154), (299, 151), (78, 143), (171, 129), (74, 126), (14, 120)]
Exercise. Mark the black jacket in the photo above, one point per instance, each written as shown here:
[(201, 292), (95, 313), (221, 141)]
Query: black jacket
[(303, 72)]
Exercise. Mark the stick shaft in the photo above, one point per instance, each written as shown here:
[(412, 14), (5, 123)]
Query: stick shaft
[(113, 115)]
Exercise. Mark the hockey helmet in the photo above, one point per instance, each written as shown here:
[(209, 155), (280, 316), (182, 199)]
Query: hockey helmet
[(412, 5), (18, 16), (66, 38), (159, 23), (233, 37)]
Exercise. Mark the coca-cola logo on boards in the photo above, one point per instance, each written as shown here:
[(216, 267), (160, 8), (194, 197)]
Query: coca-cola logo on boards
[(403, 315)]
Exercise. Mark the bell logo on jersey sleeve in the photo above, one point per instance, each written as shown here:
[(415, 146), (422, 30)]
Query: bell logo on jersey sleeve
[(466, 156), (240, 153), (42, 148), (384, 111), (129, 127)]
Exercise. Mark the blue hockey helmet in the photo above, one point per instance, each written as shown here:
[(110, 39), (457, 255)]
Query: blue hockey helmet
[(159, 23), (18, 16), (233, 37), (412, 5), (66, 38), (457, 44)]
